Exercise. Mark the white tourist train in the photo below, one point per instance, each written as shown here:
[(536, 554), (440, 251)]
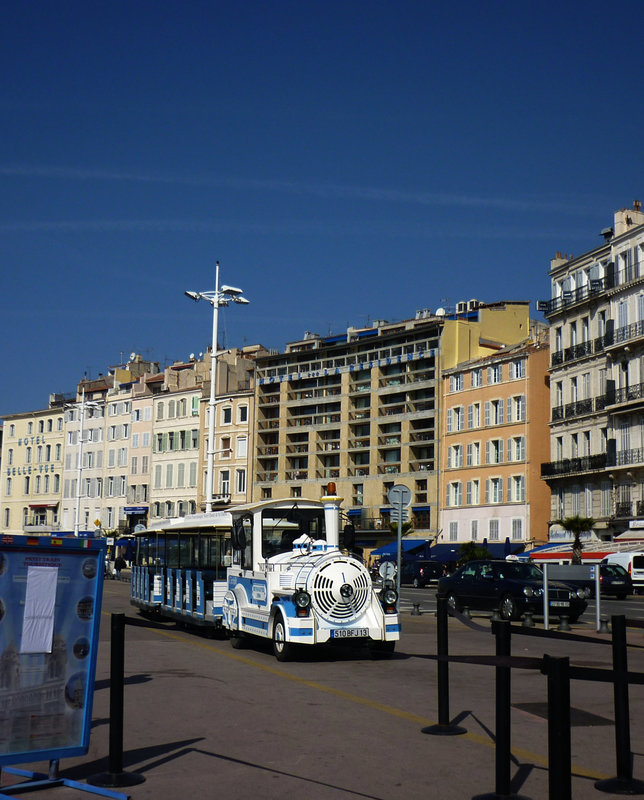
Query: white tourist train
[(273, 569)]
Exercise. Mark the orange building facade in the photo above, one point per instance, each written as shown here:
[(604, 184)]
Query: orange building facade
[(495, 436)]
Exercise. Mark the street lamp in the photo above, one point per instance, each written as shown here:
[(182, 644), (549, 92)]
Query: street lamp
[(222, 296)]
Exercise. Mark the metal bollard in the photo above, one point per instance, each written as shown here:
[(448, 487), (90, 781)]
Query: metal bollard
[(415, 612), (559, 749), (624, 783), (528, 620), (444, 728), (563, 623)]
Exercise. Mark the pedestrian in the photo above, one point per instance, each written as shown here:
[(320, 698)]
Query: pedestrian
[(119, 564)]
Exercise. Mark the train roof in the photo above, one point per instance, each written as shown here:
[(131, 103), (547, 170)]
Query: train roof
[(214, 519)]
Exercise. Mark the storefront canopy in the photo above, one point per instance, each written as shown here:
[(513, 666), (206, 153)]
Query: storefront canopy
[(409, 547)]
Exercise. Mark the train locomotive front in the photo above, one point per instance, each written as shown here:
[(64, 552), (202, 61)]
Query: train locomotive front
[(309, 592)]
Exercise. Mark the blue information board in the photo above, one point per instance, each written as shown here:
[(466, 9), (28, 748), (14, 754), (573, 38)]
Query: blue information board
[(50, 607)]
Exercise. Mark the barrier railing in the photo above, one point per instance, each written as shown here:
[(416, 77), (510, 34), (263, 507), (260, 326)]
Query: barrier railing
[(559, 673)]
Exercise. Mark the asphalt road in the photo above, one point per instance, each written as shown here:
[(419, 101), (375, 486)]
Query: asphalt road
[(632, 607), (204, 720)]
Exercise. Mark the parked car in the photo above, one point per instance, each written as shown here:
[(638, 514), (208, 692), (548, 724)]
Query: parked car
[(510, 587), (420, 573), (633, 563), (613, 581)]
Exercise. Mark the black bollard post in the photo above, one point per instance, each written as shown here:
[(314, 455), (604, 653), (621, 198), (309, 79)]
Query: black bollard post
[(444, 728), (115, 775), (503, 754), (559, 750), (624, 783)]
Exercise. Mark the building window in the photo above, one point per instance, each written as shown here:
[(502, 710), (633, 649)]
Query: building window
[(224, 481), (456, 383), (474, 415), (226, 415), (453, 531), (493, 530), (494, 451), (517, 529), (243, 413), (494, 490), (240, 481), (477, 377), (494, 412), (494, 374), (474, 529), (517, 369), (455, 493)]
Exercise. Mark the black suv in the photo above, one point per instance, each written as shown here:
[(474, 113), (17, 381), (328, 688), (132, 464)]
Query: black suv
[(511, 588), (421, 573)]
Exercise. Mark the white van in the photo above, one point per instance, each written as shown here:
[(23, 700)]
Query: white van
[(633, 563)]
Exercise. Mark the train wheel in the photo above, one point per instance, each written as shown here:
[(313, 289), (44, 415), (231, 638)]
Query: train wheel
[(282, 650)]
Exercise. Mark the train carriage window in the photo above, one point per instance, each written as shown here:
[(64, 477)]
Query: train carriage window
[(280, 528), (185, 551), (171, 551)]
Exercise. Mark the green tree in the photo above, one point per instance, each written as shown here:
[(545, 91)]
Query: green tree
[(576, 525), (471, 551), (407, 527)]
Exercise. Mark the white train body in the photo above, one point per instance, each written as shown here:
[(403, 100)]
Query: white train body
[(310, 592)]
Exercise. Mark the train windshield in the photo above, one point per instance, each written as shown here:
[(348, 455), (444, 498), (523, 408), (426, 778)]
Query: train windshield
[(280, 528)]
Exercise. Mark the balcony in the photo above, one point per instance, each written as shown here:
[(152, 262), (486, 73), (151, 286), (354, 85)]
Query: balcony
[(627, 394), (627, 335), (297, 475), (358, 472), (422, 465), (40, 526), (579, 408), (624, 509), (265, 477), (571, 466), (568, 299), (625, 458)]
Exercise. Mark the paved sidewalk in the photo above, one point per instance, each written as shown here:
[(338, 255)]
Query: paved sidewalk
[(203, 720)]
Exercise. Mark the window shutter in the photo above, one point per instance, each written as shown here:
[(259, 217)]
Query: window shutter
[(487, 412), (501, 406), (487, 490), (501, 459), (487, 452)]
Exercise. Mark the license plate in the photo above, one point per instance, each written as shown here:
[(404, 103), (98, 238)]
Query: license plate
[(618, 583), (559, 603), (349, 633)]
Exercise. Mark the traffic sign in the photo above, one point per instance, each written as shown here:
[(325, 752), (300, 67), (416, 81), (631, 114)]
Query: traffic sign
[(399, 495)]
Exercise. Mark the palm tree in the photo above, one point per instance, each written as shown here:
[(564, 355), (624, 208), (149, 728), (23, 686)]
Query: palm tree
[(576, 525)]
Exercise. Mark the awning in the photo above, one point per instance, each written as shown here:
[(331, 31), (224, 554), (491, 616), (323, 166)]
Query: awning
[(451, 552), (408, 546), (354, 512), (43, 505)]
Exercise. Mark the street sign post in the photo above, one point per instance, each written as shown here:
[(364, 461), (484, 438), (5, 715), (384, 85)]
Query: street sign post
[(400, 497)]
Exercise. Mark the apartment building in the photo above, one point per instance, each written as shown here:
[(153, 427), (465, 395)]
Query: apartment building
[(361, 408), (32, 468), (234, 409), (494, 437), (596, 316)]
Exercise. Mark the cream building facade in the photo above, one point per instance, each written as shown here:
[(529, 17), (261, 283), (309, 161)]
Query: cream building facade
[(596, 316), (32, 469)]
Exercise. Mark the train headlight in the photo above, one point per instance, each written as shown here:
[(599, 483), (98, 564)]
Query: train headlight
[(302, 602), (388, 598)]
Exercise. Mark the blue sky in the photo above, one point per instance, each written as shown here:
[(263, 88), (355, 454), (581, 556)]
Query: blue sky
[(344, 161)]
